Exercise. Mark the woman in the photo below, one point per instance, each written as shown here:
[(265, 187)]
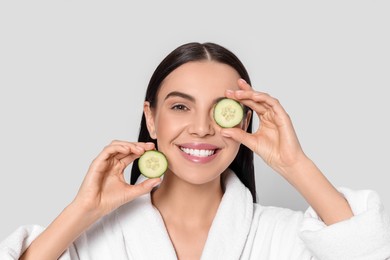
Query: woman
[(204, 206)]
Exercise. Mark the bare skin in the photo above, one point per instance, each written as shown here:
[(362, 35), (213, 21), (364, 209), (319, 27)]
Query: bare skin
[(103, 190), (188, 202), (187, 218), (277, 144)]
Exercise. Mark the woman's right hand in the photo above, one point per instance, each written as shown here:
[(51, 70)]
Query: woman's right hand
[(104, 188)]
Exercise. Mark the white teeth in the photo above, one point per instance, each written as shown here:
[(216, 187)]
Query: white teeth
[(196, 152)]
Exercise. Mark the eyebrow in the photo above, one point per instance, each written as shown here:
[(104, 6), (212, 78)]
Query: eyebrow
[(180, 94), (186, 96)]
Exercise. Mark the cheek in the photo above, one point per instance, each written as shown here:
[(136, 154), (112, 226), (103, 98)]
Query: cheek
[(169, 126), (235, 147), (232, 147)]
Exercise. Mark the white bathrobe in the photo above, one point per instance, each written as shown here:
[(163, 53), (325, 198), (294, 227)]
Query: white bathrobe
[(240, 230)]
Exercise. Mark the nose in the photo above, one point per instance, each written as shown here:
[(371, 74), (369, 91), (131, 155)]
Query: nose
[(202, 125)]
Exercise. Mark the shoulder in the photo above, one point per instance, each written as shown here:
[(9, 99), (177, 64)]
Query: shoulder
[(275, 232), (271, 217)]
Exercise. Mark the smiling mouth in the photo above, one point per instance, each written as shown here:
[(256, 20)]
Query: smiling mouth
[(198, 152)]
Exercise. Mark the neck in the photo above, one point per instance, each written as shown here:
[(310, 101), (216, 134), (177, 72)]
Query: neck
[(186, 203)]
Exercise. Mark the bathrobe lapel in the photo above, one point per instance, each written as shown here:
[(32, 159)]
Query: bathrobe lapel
[(144, 231), (230, 228), (147, 238)]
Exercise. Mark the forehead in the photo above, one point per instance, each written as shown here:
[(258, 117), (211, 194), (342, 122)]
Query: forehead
[(200, 77)]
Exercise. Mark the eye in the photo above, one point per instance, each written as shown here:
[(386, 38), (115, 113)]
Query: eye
[(180, 107)]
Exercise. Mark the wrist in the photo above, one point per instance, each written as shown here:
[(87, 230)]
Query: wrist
[(84, 211), (302, 164), (322, 196), (57, 237)]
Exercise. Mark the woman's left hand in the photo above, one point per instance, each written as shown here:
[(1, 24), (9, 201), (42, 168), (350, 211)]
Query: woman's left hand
[(276, 143), (275, 140)]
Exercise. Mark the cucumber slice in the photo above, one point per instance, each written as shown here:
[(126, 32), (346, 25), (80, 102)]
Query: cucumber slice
[(152, 164), (228, 113)]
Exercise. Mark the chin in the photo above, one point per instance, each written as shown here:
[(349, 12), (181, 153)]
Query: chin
[(196, 177)]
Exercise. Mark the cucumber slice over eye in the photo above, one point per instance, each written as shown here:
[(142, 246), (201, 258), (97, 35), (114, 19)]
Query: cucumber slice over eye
[(228, 113), (152, 164)]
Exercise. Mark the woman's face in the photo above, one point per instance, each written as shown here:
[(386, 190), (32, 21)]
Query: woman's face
[(182, 120)]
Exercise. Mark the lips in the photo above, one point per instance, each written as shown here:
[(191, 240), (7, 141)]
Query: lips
[(199, 152), (196, 152)]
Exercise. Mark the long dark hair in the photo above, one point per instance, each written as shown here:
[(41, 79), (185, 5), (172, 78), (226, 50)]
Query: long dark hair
[(242, 165)]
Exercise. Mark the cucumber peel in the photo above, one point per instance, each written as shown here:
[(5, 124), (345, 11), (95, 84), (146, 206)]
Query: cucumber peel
[(228, 113), (152, 164)]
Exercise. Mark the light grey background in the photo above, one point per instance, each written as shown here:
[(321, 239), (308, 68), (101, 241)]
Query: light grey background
[(73, 76)]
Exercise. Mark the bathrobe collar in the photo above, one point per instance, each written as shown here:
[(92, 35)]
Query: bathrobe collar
[(147, 238)]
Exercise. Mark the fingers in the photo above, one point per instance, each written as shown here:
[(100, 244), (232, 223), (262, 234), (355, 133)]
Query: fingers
[(118, 155), (142, 188), (242, 84), (240, 136), (137, 149), (260, 102), (146, 146), (123, 149)]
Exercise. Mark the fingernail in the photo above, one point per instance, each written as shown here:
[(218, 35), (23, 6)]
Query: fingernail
[(156, 184), (225, 134), (229, 92), (243, 80), (239, 92)]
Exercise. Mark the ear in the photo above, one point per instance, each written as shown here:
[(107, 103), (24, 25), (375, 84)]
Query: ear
[(149, 120)]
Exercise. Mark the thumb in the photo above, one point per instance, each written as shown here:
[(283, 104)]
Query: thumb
[(240, 136), (142, 188)]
